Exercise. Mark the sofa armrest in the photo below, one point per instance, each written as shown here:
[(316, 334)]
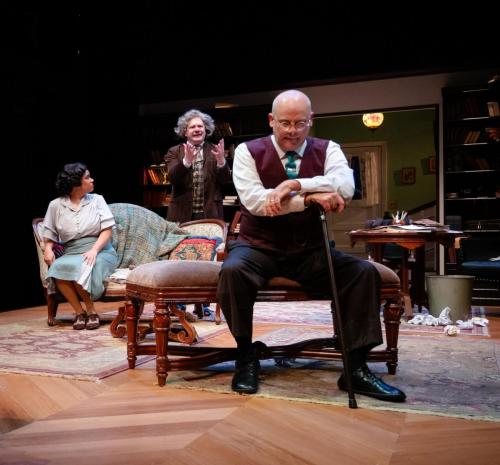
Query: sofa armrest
[(43, 267)]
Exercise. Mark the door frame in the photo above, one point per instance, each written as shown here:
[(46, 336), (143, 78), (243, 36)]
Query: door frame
[(381, 150)]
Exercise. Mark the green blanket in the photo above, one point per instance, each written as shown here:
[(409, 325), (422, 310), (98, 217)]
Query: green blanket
[(141, 236)]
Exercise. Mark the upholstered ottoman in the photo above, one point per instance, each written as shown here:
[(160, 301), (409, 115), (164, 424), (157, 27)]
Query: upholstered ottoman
[(167, 283)]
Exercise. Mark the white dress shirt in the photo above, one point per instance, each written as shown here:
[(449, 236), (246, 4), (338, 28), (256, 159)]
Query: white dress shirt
[(337, 177)]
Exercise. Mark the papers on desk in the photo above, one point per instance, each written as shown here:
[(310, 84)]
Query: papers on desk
[(428, 222), (417, 227), (412, 227), (394, 228)]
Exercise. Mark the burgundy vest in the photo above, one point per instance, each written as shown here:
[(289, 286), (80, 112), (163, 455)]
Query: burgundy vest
[(294, 231)]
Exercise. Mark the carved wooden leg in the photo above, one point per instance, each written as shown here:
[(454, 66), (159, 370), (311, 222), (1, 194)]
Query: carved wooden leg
[(186, 333), (116, 328), (392, 320), (408, 308), (133, 310), (218, 318), (162, 327), (52, 305)]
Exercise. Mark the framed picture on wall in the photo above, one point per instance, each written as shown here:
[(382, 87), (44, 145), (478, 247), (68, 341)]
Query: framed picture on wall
[(432, 165), (408, 175)]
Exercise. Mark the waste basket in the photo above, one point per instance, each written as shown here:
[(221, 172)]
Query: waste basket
[(454, 291)]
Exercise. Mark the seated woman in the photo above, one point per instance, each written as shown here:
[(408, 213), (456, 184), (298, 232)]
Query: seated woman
[(82, 222)]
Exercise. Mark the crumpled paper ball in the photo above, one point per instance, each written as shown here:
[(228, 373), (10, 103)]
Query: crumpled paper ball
[(451, 330)]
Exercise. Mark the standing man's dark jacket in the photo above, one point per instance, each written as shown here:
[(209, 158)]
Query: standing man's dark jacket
[(181, 178)]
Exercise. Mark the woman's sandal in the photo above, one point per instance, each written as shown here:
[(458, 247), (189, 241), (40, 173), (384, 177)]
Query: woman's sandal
[(80, 321), (93, 321)]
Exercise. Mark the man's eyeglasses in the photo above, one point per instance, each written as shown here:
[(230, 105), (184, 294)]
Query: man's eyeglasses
[(298, 125)]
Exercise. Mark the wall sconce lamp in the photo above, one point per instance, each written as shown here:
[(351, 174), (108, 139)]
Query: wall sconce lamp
[(373, 120)]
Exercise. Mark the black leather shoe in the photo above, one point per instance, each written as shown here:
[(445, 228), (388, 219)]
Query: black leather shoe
[(246, 377), (364, 382), (336, 342)]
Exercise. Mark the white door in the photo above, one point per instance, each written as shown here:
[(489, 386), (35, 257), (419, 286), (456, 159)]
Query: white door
[(370, 163)]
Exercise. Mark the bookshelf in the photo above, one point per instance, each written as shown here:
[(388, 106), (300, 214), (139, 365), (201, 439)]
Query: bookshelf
[(235, 125), (156, 187), (471, 164)]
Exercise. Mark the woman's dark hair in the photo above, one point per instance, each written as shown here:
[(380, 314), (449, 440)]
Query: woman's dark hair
[(70, 176)]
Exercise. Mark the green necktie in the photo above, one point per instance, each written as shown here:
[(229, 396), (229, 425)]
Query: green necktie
[(290, 166)]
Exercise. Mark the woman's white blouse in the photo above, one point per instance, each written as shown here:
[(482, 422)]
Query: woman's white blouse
[(64, 223)]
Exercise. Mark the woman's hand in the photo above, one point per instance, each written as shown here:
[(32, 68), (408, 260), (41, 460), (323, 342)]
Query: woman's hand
[(90, 257), (48, 255)]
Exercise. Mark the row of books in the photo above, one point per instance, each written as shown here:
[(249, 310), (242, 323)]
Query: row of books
[(469, 107), (482, 163), (155, 198), (456, 136), (493, 109), (160, 198), (156, 174), (468, 162)]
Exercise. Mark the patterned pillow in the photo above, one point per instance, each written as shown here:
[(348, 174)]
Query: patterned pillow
[(196, 248)]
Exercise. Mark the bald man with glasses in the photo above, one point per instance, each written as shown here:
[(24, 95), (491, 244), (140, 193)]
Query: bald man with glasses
[(277, 179)]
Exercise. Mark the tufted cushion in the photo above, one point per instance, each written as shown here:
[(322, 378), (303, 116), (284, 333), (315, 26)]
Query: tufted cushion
[(388, 277), (176, 273), (189, 273)]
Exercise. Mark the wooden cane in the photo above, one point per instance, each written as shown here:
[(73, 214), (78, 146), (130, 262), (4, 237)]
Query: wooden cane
[(337, 314)]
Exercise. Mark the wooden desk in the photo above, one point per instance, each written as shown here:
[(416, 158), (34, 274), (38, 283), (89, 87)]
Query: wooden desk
[(409, 240)]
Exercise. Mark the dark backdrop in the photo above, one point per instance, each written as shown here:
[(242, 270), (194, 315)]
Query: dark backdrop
[(75, 75)]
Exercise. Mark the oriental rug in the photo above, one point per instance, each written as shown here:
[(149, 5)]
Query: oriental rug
[(318, 313), (34, 348), (441, 375)]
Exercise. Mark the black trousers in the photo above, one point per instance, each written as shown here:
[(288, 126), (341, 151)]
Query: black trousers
[(246, 269)]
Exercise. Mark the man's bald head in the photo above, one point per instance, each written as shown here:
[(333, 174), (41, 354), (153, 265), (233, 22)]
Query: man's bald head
[(291, 98)]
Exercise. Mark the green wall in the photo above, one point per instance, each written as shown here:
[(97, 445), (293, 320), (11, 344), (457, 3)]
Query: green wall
[(410, 140)]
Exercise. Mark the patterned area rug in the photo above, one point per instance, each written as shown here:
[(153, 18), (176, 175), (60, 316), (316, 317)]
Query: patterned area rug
[(34, 348), (440, 375), (318, 313)]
